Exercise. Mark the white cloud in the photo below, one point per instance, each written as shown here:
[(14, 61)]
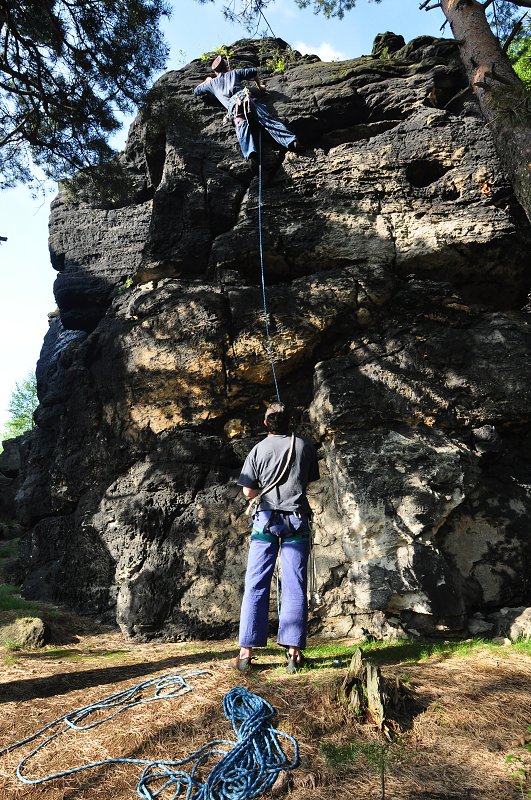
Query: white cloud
[(325, 51), (283, 9)]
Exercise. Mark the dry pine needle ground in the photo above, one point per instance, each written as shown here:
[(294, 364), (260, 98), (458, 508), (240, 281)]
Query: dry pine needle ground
[(469, 713)]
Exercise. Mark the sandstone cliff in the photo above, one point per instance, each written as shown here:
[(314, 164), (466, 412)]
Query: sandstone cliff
[(398, 270)]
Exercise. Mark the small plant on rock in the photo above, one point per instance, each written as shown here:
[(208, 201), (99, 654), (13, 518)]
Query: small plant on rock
[(378, 754), (520, 769), (226, 52)]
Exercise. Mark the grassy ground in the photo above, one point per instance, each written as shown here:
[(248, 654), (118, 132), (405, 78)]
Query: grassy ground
[(469, 709)]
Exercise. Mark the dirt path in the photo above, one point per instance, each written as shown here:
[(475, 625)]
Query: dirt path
[(468, 714)]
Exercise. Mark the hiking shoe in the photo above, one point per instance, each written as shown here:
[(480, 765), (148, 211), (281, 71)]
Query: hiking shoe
[(242, 664), (295, 663)]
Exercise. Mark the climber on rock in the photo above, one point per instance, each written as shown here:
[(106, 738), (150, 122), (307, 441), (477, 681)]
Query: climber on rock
[(242, 108), (276, 474)]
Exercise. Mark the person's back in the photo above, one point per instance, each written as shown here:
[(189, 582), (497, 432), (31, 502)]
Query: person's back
[(264, 462), (226, 84), (280, 524)]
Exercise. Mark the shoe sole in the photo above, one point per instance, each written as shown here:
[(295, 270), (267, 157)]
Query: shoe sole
[(295, 666), (242, 664)]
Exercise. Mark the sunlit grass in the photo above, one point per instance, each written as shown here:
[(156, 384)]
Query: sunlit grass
[(74, 654), (10, 600), (523, 646), (333, 654), (337, 654), (8, 550)]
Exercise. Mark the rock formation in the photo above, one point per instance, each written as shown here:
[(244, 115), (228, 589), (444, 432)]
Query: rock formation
[(397, 264)]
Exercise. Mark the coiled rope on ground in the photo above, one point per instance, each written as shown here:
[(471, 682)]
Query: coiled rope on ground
[(244, 768)]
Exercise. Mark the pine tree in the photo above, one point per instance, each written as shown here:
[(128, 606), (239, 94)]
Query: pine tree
[(21, 406), (67, 69)]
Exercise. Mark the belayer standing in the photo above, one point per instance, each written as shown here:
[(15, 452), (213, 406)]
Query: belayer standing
[(281, 522), (242, 108)]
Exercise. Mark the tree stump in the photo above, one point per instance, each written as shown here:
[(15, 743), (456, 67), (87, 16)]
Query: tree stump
[(371, 697)]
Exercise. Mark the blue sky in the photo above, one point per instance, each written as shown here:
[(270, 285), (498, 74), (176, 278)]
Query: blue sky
[(26, 275)]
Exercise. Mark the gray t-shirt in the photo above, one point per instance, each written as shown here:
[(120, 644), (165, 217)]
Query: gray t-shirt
[(264, 463)]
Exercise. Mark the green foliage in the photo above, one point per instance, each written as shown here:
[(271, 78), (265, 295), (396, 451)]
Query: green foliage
[(226, 52), (106, 185), (502, 16), (125, 286), (519, 53), (250, 12), (279, 60), (8, 550), (523, 646), (21, 406), (335, 654), (513, 30), (378, 754), (11, 645), (519, 769), (9, 660), (74, 654), (11, 601), (67, 68)]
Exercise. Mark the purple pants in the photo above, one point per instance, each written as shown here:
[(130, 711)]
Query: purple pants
[(276, 129), (254, 617)]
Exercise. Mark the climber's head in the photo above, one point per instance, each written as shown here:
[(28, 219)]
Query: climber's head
[(277, 418), (219, 65)]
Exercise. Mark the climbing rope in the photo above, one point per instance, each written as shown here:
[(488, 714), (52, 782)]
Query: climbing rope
[(262, 270), (246, 767)]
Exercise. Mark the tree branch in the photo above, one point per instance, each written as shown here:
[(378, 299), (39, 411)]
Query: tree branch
[(497, 77), (16, 130), (456, 97), (515, 31)]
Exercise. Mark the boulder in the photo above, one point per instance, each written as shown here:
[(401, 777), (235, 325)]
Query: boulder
[(512, 623), (23, 633), (396, 264)]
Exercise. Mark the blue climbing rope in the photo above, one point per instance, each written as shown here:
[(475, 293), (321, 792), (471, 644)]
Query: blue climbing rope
[(245, 768), (262, 270)]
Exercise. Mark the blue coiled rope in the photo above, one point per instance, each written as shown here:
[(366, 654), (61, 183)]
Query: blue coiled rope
[(244, 768)]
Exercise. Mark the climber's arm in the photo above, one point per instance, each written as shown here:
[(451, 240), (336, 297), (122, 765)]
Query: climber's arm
[(259, 83)]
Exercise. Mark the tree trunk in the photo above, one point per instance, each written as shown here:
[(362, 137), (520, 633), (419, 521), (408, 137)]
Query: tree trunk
[(503, 98)]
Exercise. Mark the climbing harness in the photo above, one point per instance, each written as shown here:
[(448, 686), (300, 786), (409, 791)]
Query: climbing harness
[(240, 104), (246, 767), (284, 526)]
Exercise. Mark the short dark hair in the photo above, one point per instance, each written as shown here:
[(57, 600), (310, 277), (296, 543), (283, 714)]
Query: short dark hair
[(219, 64), (277, 418)]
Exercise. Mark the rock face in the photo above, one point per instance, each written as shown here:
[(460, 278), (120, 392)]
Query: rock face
[(10, 476), (398, 271)]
